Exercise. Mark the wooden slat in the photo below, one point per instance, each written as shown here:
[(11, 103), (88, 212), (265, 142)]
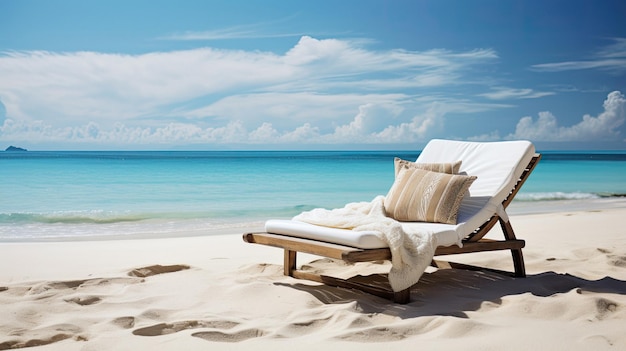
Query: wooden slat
[(367, 255), (482, 230), (483, 245), (455, 265), (299, 245), (341, 252), (529, 169)]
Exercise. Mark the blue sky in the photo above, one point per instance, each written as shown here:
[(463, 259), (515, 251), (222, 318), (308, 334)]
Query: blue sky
[(310, 74)]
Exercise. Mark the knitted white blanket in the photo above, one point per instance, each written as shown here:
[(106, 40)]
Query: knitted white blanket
[(411, 252)]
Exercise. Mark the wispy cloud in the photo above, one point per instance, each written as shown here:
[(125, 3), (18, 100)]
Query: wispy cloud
[(617, 49), (504, 93), (611, 58), (238, 32), (248, 31)]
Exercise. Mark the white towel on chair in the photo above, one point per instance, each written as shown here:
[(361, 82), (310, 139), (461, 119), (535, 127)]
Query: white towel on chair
[(411, 252)]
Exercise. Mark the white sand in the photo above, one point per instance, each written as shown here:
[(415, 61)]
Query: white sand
[(79, 296)]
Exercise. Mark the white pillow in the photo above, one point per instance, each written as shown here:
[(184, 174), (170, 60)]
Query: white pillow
[(450, 168), (426, 196)]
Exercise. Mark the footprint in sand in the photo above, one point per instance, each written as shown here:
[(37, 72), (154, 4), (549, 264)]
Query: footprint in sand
[(218, 336), (170, 328), (303, 328), (614, 260), (71, 284), (156, 269), (44, 336), (84, 301), (124, 322), (46, 287), (377, 334), (617, 261), (605, 306)]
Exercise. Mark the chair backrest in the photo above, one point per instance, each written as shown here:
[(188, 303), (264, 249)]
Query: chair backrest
[(498, 165)]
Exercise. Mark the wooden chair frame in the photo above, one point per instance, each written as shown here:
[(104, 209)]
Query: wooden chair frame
[(474, 242)]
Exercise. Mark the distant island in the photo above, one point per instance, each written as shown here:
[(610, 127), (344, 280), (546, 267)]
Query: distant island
[(15, 148)]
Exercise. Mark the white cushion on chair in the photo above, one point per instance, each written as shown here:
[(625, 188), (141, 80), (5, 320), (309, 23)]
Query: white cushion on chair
[(360, 239)]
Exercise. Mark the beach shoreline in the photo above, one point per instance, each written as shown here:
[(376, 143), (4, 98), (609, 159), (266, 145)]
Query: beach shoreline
[(182, 228), (217, 291)]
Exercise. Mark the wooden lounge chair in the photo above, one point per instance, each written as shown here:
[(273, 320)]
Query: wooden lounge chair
[(501, 169)]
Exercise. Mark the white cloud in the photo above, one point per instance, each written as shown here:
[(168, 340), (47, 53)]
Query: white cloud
[(601, 128), (264, 134), (237, 32), (617, 49), (492, 136), (611, 58), (377, 122), (82, 85), (617, 65), (503, 93), (303, 134), (319, 90), (370, 119), (247, 31), (73, 87), (288, 111)]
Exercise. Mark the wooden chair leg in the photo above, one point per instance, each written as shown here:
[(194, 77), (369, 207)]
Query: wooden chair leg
[(402, 297), (518, 263), (518, 258), (289, 263)]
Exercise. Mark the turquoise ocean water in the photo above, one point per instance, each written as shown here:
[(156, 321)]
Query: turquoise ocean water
[(69, 195)]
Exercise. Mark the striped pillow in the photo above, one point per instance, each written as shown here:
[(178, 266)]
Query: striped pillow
[(450, 168), (425, 196)]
